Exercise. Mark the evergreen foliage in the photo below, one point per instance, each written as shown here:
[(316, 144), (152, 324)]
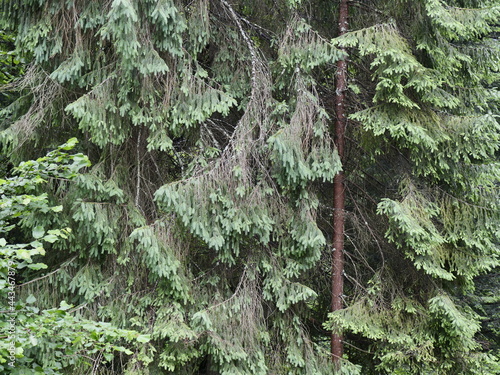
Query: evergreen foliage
[(204, 220)]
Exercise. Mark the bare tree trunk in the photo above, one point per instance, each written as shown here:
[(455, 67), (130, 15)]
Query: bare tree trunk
[(339, 190)]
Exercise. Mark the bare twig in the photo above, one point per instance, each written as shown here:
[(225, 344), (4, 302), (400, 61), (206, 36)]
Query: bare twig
[(138, 183)]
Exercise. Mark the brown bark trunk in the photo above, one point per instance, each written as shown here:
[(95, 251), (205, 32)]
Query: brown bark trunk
[(339, 191)]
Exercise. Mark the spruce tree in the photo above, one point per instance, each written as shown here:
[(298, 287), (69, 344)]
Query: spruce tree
[(206, 217), (428, 146)]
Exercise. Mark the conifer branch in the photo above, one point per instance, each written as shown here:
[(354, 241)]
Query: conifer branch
[(238, 287), (138, 180), (365, 221), (250, 46), (49, 274), (359, 4), (357, 348)]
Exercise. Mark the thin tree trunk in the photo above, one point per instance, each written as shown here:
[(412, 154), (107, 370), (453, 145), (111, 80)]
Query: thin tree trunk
[(339, 191)]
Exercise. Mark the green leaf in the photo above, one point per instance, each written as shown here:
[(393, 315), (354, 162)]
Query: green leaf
[(143, 338), (69, 145), (33, 340), (50, 238), (38, 232), (37, 266), (65, 306)]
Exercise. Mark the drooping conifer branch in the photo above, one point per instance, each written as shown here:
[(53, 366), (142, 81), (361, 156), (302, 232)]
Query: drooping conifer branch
[(138, 183), (339, 189), (249, 43), (258, 77)]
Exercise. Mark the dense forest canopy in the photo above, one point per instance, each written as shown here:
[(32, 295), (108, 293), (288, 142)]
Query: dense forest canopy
[(190, 229)]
